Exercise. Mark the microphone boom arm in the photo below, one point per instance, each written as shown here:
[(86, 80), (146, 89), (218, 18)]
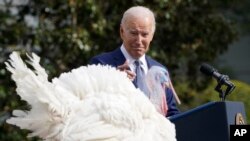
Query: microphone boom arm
[(229, 89)]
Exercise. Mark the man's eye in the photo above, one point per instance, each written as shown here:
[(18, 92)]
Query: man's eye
[(144, 34), (133, 33)]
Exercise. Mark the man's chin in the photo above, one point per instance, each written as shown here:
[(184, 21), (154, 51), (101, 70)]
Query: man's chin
[(137, 55)]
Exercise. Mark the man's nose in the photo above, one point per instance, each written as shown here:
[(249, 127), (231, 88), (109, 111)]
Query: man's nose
[(139, 38)]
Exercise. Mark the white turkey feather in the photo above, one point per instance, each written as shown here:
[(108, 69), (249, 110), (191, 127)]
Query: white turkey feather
[(89, 103)]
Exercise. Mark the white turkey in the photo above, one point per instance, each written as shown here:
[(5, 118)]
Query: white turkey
[(90, 103)]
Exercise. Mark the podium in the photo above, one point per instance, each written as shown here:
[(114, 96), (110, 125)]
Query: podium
[(208, 122)]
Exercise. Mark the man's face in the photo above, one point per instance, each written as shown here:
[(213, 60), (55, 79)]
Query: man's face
[(137, 34)]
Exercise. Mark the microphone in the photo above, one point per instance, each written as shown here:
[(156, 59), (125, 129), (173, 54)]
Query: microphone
[(210, 71)]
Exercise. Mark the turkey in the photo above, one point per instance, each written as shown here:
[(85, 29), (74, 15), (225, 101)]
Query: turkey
[(90, 103), (157, 80)]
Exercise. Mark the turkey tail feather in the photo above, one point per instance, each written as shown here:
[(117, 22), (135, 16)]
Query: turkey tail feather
[(38, 92)]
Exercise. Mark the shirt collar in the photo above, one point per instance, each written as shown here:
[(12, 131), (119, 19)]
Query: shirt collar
[(131, 60)]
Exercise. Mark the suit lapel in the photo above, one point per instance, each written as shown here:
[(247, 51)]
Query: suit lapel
[(118, 57), (150, 63)]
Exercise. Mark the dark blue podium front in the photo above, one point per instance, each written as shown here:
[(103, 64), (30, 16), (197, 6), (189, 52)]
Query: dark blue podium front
[(208, 122)]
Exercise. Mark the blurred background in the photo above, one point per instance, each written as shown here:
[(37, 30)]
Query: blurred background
[(67, 33)]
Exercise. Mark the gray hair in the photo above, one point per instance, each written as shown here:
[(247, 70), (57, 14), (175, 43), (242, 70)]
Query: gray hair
[(139, 11)]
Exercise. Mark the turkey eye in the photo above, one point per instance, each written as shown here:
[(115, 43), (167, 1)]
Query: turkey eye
[(166, 74), (157, 77)]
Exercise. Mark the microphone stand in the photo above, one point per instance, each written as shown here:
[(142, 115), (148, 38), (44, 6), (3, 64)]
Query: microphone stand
[(218, 88)]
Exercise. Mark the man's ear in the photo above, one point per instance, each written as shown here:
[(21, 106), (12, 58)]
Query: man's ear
[(121, 31)]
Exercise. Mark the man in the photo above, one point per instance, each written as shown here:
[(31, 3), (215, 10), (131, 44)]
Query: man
[(136, 31)]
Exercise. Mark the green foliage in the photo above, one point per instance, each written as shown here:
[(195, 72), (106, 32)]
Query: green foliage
[(188, 33), (67, 33), (192, 98), (240, 94)]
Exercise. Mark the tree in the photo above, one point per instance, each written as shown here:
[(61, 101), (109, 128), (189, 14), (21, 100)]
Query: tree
[(66, 34)]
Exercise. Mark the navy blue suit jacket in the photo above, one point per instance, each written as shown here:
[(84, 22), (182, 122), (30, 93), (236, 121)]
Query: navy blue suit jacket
[(116, 58)]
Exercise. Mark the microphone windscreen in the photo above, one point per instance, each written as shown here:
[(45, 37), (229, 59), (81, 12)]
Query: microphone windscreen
[(207, 69)]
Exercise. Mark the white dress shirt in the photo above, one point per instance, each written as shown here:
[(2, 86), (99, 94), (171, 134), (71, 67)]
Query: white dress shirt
[(131, 60)]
